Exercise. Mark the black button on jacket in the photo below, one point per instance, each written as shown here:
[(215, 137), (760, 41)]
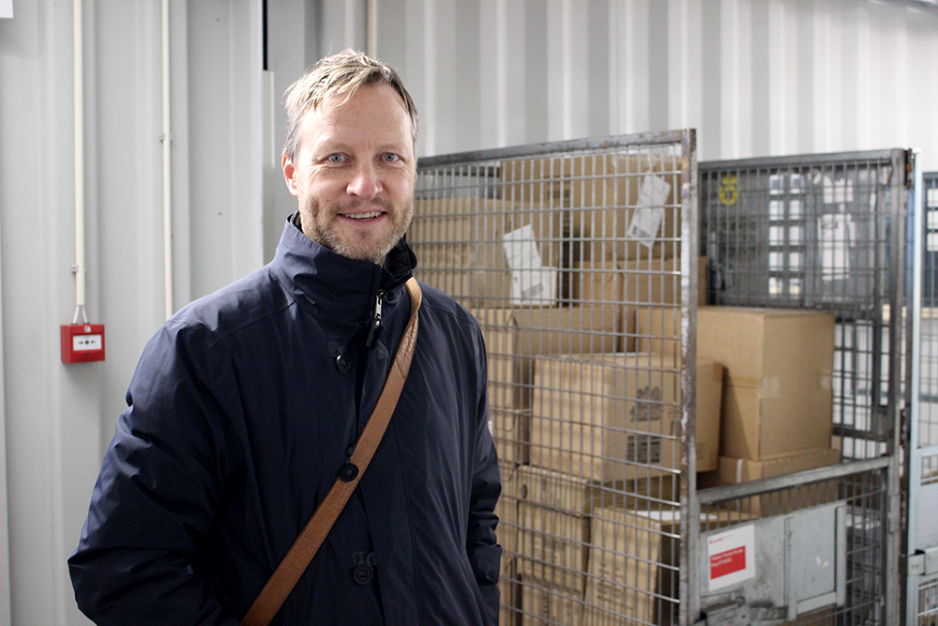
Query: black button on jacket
[(238, 423)]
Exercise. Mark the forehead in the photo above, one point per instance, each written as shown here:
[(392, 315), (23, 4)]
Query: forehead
[(374, 111)]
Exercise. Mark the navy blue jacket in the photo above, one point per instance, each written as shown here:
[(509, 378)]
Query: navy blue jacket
[(241, 412)]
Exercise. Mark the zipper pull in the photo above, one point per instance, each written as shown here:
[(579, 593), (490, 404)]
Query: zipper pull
[(375, 327)]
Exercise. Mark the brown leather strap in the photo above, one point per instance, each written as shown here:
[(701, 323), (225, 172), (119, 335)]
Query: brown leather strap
[(296, 561)]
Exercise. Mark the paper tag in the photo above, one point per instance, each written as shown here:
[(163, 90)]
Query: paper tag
[(648, 215), (521, 249), (836, 237), (533, 286), (731, 557)]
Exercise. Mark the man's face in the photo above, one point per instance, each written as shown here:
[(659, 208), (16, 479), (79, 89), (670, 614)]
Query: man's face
[(354, 173)]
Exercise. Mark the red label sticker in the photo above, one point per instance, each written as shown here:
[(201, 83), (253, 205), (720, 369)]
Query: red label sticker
[(728, 562)]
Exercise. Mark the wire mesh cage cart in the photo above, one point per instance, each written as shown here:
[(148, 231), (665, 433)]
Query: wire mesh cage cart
[(810, 236), (922, 581), (644, 345), (579, 260)]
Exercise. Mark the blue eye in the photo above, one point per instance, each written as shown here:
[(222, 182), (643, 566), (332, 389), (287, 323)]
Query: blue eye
[(390, 157), (335, 158)]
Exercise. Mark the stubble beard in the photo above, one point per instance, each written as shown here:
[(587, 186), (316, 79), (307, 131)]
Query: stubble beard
[(320, 226)]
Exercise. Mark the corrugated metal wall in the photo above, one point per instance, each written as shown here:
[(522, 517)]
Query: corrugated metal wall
[(755, 77)]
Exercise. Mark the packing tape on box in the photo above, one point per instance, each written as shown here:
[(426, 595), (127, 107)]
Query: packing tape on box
[(739, 471)]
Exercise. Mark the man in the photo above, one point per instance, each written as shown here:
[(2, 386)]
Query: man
[(246, 404)]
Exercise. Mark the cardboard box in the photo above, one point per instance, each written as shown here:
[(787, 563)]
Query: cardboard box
[(481, 249), (777, 396), (614, 417), (513, 336), (513, 333), (510, 375), (634, 567), (548, 605), (509, 587), (511, 431), (619, 206), (506, 509), (553, 545)]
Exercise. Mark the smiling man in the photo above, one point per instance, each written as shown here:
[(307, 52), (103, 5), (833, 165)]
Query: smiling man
[(248, 403)]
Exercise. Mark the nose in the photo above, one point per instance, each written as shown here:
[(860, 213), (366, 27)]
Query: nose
[(365, 183)]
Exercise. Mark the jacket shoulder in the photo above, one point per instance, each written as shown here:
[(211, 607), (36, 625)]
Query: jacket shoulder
[(235, 306), (443, 304)]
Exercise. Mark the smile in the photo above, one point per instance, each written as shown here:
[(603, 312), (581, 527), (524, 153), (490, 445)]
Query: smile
[(362, 216)]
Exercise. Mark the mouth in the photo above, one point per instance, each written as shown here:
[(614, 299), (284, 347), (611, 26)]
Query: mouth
[(363, 216)]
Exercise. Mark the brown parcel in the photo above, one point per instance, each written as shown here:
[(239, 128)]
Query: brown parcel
[(600, 195), (544, 604), (555, 510), (552, 540), (617, 417), (512, 337), (778, 397), (459, 246), (633, 569), (507, 509)]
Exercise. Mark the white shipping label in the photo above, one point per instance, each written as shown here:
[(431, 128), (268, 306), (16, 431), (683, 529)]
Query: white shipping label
[(648, 215), (534, 286), (836, 237), (6, 8), (731, 557), (521, 250)]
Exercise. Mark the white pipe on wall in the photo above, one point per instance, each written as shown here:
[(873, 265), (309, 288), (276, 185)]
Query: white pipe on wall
[(167, 170), (79, 112), (371, 28)]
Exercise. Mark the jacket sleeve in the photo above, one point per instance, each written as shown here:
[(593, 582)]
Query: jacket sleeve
[(161, 478), (481, 546)]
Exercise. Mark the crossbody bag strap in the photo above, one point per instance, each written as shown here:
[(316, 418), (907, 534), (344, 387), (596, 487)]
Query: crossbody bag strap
[(284, 578)]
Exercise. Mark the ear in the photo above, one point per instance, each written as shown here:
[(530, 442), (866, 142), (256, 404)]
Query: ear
[(289, 174)]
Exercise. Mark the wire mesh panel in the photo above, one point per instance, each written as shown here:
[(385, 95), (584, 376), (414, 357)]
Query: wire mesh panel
[(814, 233), (809, 252), (578, 259), (835, 573), (928, 327)]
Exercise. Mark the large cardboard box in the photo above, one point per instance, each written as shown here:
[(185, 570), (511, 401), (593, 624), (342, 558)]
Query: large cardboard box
[(777, 397), (553, 536), (634, 567), (615, 417), (509, 373), (618, 206), (513, 336), (509, 587), (489, 252), (553, 545), (543, 604)]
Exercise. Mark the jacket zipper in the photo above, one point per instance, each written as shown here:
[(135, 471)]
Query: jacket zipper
[(375, 327)]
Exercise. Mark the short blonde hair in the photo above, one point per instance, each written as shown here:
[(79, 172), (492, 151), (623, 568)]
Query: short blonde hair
[(338, 75)]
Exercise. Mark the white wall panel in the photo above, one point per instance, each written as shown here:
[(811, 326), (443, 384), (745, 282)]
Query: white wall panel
[(755, 77)]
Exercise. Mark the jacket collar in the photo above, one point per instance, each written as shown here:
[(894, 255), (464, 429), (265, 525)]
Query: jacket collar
[(333, 287)]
